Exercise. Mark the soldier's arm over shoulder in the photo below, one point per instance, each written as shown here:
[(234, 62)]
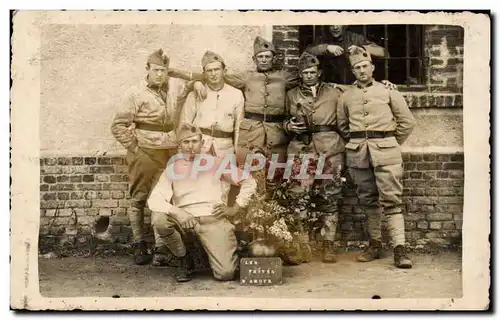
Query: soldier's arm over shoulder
[(123, 120), (237, 80), (187, 112), (405, 122), (292, 79)]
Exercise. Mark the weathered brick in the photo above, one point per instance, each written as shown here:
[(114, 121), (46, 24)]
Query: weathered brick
[(115, 186), (417, 192), (451, 200), (66, 212), (84, 230), (90, 160), (448, 225), (347, 226), (49, 179), (63, 195), (77, 161), (415, 183), (453, 166), (121, 169), (117, 194), (439, 216), (91, 211), (102, 169), (88, 178), (414, 216), (435, 225), (62, 221), (118, 178), (105, 212), (62, 178), (428, 175), (442, 174), (124, 203), (90, 195), (49, 196), (50, 161), (77, 195), (423, 225), (425, 200), (74, 169), (443, 158), (114, 229), (415, 174), (457, 157), (410, 225), (456, 174), (405, 156), (416, 157), (103, 195), (64, 161), (51, 170), (87, 220), (457, 217), (119, 211), (428, 166), (104, 161), (51, 204), (431, 191), (75, 179), (89, 186), (441, 183), (119, 220), (78, 204), (429, 157), (62, 187), (101, 178), (118, 160), (458, 183), (105, 203)]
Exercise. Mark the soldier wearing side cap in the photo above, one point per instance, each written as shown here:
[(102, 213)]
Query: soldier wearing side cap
[(376, 122), (144, 124), (186, 200), (220, 114), (312, 107)]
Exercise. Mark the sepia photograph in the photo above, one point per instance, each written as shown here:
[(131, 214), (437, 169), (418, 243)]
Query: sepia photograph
[(182, 155)]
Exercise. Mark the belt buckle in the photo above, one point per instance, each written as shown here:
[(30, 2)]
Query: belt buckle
[(264, 118), (366, 134)]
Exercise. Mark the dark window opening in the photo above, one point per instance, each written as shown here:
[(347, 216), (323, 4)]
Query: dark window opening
[(404, 44)]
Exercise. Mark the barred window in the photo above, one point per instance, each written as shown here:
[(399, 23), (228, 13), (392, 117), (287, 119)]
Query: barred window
[(404, 44)]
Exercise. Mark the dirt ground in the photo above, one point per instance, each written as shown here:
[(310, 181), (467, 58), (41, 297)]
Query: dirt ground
[(433, 276)]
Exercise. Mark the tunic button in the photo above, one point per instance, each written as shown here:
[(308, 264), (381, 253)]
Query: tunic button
[(265, 106), (365, 102), (366, 113), (267, 93), (366, 125)]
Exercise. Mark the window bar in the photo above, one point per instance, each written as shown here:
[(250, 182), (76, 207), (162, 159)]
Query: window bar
[(386, 46), (408, 55), (365, 31), (423, 61)]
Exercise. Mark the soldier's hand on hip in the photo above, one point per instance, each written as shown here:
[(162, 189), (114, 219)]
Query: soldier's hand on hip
[(335, 50), (389, 85), (223, 211), (200, 91)]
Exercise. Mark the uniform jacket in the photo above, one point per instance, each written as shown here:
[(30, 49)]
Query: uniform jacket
[(152, 106), (320, 110), (222, 110), (374, 108)]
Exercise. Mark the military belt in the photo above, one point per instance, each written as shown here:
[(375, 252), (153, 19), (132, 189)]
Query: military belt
[(371, 134), (265, 117), (154, 127), (217, 133), (306, 137)]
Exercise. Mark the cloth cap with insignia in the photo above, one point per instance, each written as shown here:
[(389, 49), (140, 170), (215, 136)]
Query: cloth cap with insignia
[(260, 45), (158, 58), (187, 130), (210, 57), (359, 55), (307, 60)]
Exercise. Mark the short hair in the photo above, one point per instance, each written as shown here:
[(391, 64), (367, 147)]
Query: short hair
[(222, 64)]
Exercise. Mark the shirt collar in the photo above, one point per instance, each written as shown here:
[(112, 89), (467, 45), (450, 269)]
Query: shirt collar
[(366, 86)]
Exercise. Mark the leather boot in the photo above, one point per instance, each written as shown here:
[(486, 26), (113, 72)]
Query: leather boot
[(141, 255), (329, 252), (401, 260), (372, 252), (161, 257), (185, 270)]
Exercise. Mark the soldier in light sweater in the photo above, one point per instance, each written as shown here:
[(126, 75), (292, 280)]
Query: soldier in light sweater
[(188, 198)]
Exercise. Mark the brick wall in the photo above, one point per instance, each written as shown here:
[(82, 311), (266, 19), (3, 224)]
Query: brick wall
[(74, 191)]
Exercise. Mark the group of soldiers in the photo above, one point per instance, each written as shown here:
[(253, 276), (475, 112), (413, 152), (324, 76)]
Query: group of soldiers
[(361, 125)]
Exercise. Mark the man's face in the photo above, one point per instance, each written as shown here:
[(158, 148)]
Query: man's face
[(157, 74), (363, 71), (191, 146), (214, 73), (264, 60), (310, 76), (336, 30)]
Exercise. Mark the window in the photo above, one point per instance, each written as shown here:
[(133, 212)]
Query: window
[(404, 43)]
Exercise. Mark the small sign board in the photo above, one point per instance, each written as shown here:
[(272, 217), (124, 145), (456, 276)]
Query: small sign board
[(262, 271)]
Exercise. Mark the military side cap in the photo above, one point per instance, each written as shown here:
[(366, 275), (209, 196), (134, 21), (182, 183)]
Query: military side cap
[(359, 55), (307, 60), (210, 57), (187, 130), (158, 58), (260, 45)]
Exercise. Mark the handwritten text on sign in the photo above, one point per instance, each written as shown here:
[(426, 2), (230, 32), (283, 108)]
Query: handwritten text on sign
[(260, 271)]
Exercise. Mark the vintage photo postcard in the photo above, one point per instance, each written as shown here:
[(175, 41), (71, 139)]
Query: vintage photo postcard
[(250, 160)]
